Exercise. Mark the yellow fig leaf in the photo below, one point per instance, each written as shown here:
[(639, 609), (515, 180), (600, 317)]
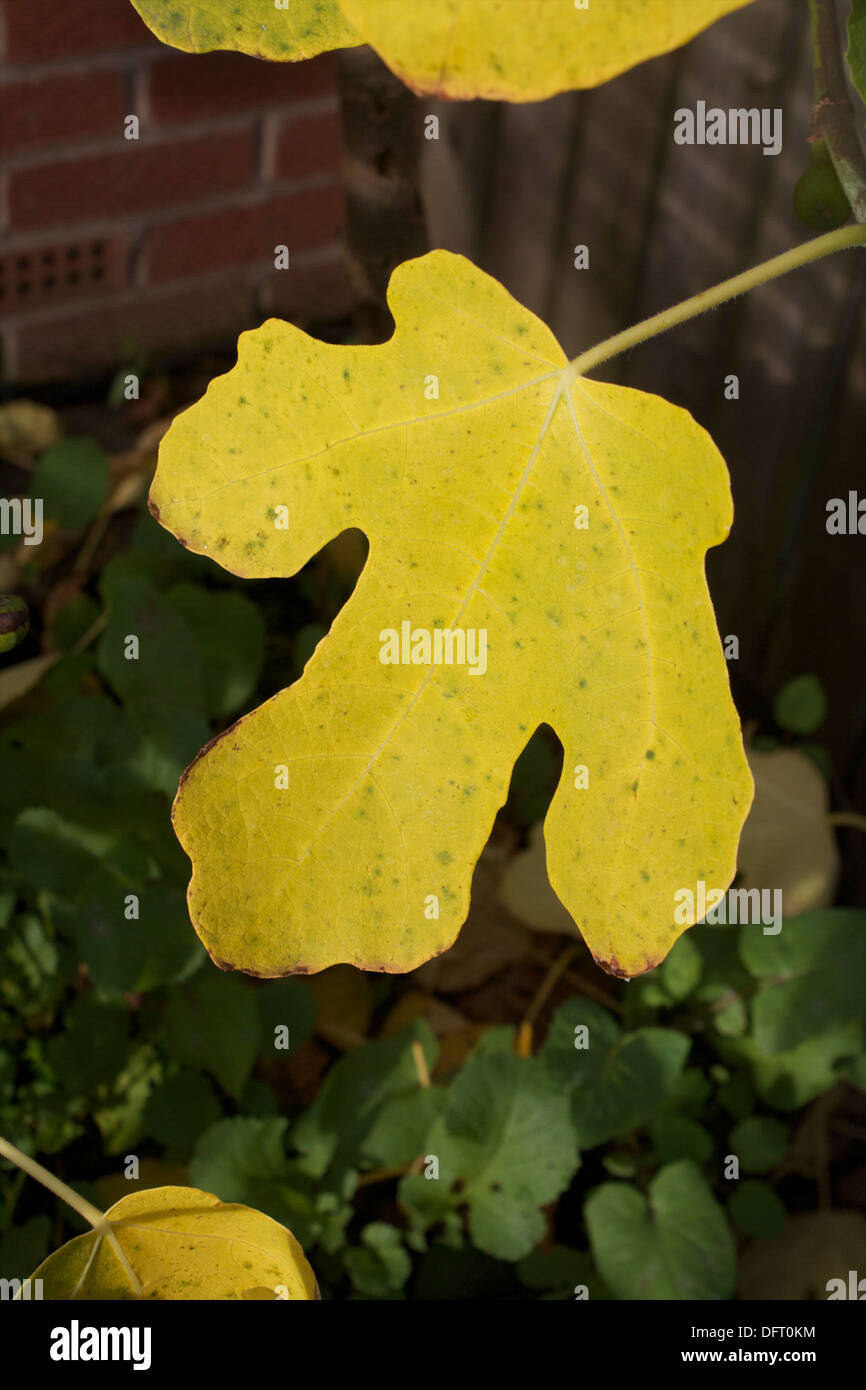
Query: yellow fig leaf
[(180, 1243), (257, 27), (537, 547), (524, 50)]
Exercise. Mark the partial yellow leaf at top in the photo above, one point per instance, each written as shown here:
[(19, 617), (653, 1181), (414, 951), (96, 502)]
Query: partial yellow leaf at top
[(524, 50), (299, 29), (537, 548)]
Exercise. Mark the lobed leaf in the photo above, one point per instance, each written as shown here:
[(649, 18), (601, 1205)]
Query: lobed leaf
[(455, 48), (507, 52), (673, 1243), (468, 498)]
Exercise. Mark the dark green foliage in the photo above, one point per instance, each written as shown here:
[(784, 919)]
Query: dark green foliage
[(595, 1167)]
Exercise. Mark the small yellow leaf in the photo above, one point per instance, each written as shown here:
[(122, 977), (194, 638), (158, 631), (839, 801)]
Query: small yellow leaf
[(180, 1243), (524, 50), (537, 549), (257, 27), (787, 841)]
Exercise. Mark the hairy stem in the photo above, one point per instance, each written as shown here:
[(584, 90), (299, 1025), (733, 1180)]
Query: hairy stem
[(761, 274), (833, 117)]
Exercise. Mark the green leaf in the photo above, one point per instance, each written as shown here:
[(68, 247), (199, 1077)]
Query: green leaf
[(181, 1109), (813, 977), (350, 1117), (48, 851), (213, 1024), (381, 1265), (801, 705), (755, 1210), (358, 801), (285, 1004), (680, 972), (615, 1081), (244, 1160), (92, 1050), (760, 1142), (129, 956), (120, 1118), (506, 1138), (675, 1243), (788, 1080), (230, 641), (166, 672), (73, 480), (674, 1137), (72, 621), (34, 968), (857, 46), (24, 1247)]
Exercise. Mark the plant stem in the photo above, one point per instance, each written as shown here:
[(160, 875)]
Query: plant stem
[(848, 818), (554, 974), (420, 1064), (833, 117), (761, 274), (101, 1226), (85, 1209)]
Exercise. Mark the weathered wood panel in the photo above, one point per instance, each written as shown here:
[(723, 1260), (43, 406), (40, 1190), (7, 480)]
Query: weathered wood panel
[(518, 187)]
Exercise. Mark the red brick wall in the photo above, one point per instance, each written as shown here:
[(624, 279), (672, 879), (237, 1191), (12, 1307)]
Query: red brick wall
[(110, 247)]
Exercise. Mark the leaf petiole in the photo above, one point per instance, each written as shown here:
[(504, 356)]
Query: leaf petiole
[(838, 240), (91, 1214), (85, 1209)]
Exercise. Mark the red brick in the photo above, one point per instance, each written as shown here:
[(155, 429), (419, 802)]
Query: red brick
[(58, 28), (59, 109), (35, 274), (307, 145), (134, 177), (197, 85), (207, 314), (245, 234), (318, 291)]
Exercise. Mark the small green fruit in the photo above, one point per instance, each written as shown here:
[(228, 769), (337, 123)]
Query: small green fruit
[(819, 199), (14, 621)]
